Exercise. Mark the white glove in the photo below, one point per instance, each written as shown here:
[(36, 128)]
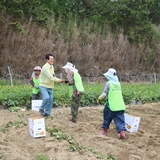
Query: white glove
[(102, 96)]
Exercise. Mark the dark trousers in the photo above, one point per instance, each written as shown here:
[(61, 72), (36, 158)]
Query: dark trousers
[(37, 96), (75, 103), (117, 116)]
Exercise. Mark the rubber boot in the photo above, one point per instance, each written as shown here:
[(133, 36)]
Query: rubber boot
[(104, 132), (72, 120), (122, 135)]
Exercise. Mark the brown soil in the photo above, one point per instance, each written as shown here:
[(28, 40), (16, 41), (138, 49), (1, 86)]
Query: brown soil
[(17, 144)]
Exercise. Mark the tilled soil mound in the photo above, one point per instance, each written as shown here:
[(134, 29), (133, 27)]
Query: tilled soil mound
[(17, 144)]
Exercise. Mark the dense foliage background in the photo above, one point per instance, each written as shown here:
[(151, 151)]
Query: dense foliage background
[(134, 17), (116, 33)]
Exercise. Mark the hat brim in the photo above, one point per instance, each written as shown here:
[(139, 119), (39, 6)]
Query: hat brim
[(108, 76), (64, 67), (67, 67)]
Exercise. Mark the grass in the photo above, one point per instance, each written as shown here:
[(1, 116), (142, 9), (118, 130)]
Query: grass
[(41, 156)]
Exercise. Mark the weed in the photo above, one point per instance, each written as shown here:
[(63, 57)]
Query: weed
[(41, 156), (158, 113), (17, 124), (58, 134), (14, 109), (100, 155), (21, 115), (4, 155), (74, 146), (49, 117)]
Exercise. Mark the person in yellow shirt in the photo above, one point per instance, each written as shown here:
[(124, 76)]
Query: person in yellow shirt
[(47, 84)]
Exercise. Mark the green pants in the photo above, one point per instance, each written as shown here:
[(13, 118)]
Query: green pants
[(75, 103)]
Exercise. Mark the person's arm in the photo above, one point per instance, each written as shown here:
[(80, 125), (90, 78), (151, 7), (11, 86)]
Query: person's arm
[(31, 81), (105, 91), (49, 76), (33, 84), (70, 76)]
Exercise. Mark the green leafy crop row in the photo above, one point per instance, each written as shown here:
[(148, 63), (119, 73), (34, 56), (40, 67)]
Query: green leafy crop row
[(142, 93), (20, 95)]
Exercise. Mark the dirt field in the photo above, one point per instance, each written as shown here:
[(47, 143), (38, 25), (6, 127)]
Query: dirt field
[(17, 144)]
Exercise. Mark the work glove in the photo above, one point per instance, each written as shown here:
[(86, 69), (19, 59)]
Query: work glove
[(100, 98), (37, 87)]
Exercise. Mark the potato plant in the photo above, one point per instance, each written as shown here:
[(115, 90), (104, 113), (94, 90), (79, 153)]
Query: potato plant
[(20, 95)]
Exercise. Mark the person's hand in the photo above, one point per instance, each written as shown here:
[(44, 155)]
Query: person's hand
[(100, 98), (61, 81)]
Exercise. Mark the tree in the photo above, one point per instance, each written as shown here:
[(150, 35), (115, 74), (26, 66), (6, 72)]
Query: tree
[(155, 12), (134, 17)]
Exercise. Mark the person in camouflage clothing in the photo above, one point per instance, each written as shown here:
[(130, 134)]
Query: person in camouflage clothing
[(76, 89)]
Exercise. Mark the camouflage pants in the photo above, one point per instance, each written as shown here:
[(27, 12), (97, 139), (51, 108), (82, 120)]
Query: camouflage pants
[(75, 103)]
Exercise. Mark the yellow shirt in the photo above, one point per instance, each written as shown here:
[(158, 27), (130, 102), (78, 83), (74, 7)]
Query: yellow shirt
[(47, 76)]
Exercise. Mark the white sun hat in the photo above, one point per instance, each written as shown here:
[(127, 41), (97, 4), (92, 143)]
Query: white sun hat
[(37, 68), (69, 66), (111, 75)]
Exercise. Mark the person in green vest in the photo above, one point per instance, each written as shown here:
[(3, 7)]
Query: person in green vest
[(114, 107), (76, 89), (34, 81)]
